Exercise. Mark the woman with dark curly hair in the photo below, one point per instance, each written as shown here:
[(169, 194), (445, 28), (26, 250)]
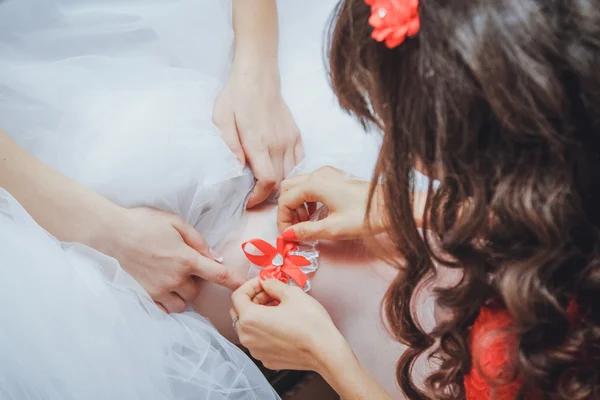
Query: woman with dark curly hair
[(499, 101)]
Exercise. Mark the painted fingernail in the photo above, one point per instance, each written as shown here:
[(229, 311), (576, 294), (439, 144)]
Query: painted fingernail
[(215, 256), (290, 235)]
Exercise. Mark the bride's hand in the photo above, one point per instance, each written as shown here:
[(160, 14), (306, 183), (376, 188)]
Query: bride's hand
[(160, 250), (164, 254), (293, 332), (258, 126), (346, 200)]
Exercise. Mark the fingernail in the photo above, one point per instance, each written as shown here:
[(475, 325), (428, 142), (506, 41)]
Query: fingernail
[(215, 256), (290, 235), (265, 276)]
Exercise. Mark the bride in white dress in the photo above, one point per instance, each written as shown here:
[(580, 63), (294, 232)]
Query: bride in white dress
[(118, 95)]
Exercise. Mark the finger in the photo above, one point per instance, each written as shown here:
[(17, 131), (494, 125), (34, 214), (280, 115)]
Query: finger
[(298, 151), (289, 183), (264, 172), (276, 289), (214, 272), (233, 316), (288, 163), (191, 237), (242, 298), (194, 239), (161, 306), (278, 166), (291, 200), (230, 135), (172, 303), (262, 299), (312, 208), (302, 213), (325, 229), (188, 290)]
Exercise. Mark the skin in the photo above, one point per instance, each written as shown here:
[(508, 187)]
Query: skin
[(309, 340), (250, 112), (345, 299), (160, 250)]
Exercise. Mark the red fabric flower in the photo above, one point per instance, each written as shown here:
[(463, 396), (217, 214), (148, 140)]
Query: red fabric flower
[(394, 20), (277, 262)]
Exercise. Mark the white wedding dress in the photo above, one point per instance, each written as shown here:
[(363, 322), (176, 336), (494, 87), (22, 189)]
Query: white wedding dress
[(118, 94)]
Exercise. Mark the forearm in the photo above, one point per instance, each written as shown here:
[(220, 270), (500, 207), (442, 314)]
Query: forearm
[(67, 210), (256, 33), (341, 369)]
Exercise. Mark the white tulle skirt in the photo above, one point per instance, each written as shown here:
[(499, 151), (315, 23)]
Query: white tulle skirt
[(76, 326), (118, 94)]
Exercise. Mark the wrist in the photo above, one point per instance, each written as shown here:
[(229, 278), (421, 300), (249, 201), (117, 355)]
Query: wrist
[(256, 31), (251, 69), (377, 218), (255, 54), (101, 226), (256, 81), (344, 373), (332, 355)]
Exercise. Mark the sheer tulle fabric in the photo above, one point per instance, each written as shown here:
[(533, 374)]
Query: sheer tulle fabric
[(118, 95), (75, 326)]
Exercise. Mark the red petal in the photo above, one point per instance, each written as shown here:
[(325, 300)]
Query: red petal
[(396, 38), (413, 27), (298, 260), (381, 34), (401, 15), (375, 21)]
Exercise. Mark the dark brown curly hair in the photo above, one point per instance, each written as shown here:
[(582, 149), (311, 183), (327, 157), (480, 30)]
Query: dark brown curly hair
[(500, 101)]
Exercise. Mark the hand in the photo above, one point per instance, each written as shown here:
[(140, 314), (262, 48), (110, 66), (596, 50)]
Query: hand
[(160, 250), (164, 254), (293, 331), (258, 127), (346, 201)]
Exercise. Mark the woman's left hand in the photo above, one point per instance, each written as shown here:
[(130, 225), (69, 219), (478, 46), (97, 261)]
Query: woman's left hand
[(284, 327)]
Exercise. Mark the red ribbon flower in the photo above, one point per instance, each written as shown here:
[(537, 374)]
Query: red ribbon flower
[(278, 262), (394, 20)]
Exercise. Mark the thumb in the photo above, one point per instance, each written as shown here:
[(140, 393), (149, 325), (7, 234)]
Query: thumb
[(274, 288), (310, 231)]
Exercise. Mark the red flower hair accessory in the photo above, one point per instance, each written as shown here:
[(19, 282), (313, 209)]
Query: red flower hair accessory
[(394, 20)]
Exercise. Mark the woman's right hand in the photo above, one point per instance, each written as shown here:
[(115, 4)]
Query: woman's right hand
[(164, 254), (160, 250), (346, 200)]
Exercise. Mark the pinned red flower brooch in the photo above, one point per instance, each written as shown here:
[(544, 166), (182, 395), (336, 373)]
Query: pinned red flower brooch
[(394, 20), (288, 262)]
